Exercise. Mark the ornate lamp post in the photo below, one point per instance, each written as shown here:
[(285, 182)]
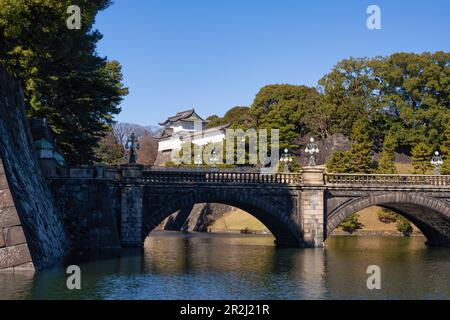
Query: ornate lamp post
[(198, 161), (132, 145), (312, 149), (286, 158), (437, 163), (214, 159)]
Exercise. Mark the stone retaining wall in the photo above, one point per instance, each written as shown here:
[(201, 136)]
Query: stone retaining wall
[(90, 211), (14, 253), (31, 227)]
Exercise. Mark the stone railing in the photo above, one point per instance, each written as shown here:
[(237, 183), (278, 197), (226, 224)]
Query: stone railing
[(386, 179), (309, 176), (221, 177)]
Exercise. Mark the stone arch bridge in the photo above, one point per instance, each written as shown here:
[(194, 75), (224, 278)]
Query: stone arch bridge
[(122, 205)]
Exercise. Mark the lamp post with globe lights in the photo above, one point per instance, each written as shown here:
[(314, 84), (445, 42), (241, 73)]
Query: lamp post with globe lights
[(312, 149), (437, 162), (286, 158), (214, 158), (132, 146), (198, 161)]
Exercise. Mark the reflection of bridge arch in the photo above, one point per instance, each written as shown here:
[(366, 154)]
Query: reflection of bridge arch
[(430, 215), (275, 215)]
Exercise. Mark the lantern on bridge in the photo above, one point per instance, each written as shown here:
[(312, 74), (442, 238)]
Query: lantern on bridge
[(286, 158), (132, 146), (312, 149), (437, 162)]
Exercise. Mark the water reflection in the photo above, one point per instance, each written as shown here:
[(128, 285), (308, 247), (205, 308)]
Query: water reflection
[(409, 269), (15, 286), (205, 266)]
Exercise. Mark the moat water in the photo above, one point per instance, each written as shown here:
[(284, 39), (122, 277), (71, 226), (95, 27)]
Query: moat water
[(224, 266)]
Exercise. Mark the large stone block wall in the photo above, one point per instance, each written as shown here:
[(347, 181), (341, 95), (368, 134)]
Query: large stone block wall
[(27, 210), (14, 252), (90, 211)]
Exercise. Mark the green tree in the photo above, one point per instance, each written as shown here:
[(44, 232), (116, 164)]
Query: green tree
[(446, 166), (109, 151), (349, 93), (405, 93), (351, 223), (321, 119), (284, 107), (384, 104), (362, 147), (421, 157), (340, 162), (387, 156), (404, 226), (414, 90), (294, 166), (359, 158), (64, 79), (387, 216), (237, 118)]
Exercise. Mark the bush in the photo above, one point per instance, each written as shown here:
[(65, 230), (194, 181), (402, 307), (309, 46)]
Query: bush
[(171, 164), (351, 224), (387, 216), (404, 226)]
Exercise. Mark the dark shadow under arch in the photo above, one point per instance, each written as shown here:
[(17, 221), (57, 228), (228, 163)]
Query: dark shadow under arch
[(430, 216), (273, 215)]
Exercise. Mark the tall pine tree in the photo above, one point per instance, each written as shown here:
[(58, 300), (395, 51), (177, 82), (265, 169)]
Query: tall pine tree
[(359, 158), (421, 157), (387, 156), (64, 79)]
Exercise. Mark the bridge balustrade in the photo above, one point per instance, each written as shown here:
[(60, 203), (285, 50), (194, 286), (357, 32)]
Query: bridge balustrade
[(386, 179), (293, 178), (221, 177), (248, 177)]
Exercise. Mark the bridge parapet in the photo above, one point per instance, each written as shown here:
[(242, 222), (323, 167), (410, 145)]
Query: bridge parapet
[(386, 179), (221, 177), (98, 172), (309, 176)]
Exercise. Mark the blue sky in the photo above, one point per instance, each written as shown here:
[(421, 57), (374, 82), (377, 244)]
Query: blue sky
[(216, 54)]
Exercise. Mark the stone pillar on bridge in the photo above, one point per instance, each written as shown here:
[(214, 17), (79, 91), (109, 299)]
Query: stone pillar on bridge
[(131, 206), (313, 209)]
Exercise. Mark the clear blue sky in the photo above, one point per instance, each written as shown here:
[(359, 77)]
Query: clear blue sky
[(216, 54)]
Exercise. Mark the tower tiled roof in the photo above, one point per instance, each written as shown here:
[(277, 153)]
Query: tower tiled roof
[(180, 116)]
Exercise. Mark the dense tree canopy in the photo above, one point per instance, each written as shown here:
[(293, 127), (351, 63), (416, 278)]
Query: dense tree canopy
[(237, 118), (405, 93), (384, 104), (284, 107), (64, 79)]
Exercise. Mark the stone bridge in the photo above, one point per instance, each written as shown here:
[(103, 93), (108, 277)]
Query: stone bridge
[(45, 214), (120, 206)]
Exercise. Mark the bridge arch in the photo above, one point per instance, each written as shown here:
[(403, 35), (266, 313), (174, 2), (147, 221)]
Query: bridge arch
[(431, 216), (276, 216)]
